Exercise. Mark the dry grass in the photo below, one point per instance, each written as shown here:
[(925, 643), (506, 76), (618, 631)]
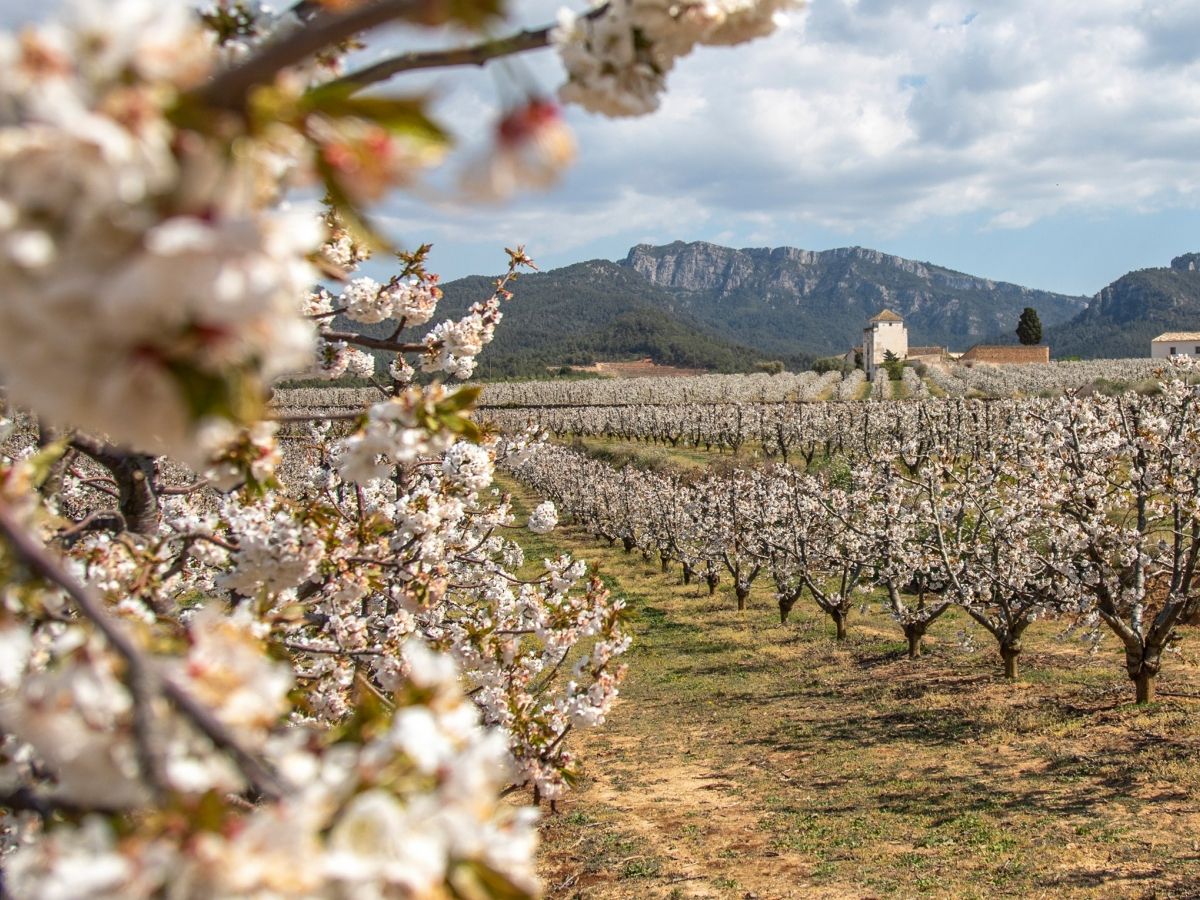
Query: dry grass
[(640, 368), (752, 760)]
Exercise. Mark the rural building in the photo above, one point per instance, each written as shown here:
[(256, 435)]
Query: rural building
[(1006, 355), (1176, 343), (928, 354), (884, 332)]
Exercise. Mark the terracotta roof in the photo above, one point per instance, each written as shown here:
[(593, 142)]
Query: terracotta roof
[(1180, 336), (887, 315), (1002, 354), (926, 351)]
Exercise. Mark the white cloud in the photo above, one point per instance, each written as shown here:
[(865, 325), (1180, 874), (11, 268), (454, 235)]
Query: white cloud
[(878, 117), (898, 113), (552, 229), (895, 114)]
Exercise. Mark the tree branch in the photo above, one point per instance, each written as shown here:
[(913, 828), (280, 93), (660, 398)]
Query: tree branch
[(230, 89), (181, 491), (474, 55), (25, 799), (99, 520), (352, 337), (142, 671)]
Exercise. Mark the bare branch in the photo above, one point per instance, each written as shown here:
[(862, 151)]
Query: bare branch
[(352, 337), (24, 799), (475, 55), (181, 491), (99, 520)]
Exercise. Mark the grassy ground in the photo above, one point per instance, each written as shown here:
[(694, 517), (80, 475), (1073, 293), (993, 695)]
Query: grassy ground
[(747, 759), (644, 454)]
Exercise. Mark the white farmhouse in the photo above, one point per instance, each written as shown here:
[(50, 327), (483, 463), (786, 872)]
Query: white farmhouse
[(1176, 343), (884, 332)]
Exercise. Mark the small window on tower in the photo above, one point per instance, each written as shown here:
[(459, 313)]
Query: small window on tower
[(1172, 351)]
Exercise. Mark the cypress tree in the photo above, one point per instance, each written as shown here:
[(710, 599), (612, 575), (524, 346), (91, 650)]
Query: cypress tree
[(1029, 328)]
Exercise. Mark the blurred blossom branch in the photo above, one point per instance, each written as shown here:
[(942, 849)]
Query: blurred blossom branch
[(231, 89)]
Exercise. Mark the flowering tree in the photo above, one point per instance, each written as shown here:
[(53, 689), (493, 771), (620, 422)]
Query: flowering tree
[(894, 523), (310, 670), (1002, 555), (1124, 473)]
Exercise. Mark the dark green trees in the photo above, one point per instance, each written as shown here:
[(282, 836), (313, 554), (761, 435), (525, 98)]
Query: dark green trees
[(1029, 328), (894, 365)]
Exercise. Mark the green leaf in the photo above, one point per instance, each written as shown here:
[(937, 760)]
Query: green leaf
[(399, 115), (353, 218), (463, 398), (370, 715), (475, 881), (210, 813), (42, 462), (229, 396), (471, 13)]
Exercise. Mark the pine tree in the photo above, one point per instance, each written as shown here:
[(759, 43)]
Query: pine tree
[(1029, 328)]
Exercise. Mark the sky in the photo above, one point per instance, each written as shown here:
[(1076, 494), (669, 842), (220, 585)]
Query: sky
[(1054, 145)]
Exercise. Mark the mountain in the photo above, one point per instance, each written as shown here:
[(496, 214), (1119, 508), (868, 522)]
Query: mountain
[(1125, 316), (592, 311), (787, 299), (699, 305)]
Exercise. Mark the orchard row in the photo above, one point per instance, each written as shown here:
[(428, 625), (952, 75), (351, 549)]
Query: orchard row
[(794, 432), (955, 380), (1084, 509)]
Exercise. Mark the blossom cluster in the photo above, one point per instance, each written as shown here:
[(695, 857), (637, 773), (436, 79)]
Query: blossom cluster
[(617, 59), (329, 618), (166, 245)]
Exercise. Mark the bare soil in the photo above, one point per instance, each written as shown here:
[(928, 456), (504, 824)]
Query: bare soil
[(638, 368)]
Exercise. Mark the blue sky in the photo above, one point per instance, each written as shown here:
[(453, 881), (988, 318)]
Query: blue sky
[(1049, 144)]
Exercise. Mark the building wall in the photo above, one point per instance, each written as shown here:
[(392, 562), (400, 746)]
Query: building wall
[(1162, 350), (880, 337), (1006, 355)]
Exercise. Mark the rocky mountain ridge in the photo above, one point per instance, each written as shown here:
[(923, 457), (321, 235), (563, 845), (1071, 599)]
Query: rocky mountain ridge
[(700, 305), (819, 300), (1125, 316)]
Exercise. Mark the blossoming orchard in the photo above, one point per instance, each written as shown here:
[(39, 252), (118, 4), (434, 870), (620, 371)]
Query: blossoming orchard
[(251, 654), (261, 639)]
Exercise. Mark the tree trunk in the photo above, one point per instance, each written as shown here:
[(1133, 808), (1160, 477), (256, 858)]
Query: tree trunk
[(712, 580), (915, 632), (629, 543), (665, 562), (1009, 653), (134, 475), (1143, 668), (742, 591), (785, 608), (1144, 683), (687, 574), (839, 621)]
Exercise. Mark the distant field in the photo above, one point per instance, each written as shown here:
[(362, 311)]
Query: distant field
[(641, 368)]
